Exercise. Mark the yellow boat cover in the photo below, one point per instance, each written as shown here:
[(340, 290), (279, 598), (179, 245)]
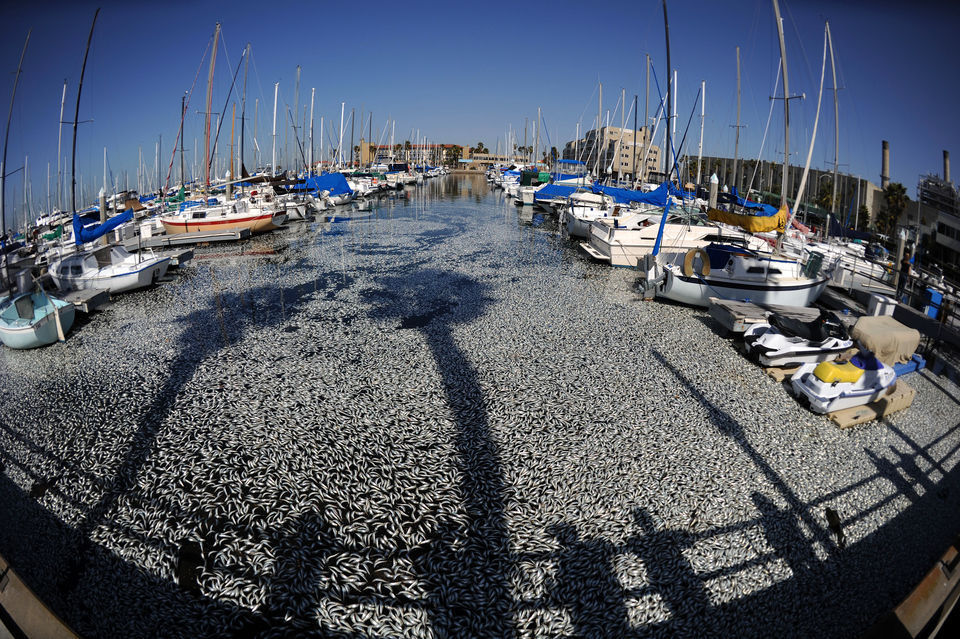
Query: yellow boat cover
[(831, 372), (752, 223)]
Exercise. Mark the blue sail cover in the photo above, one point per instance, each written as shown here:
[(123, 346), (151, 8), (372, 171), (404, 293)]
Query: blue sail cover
[(764, 210), (82, 235), (335, 183), (657, 197), (550, 191)]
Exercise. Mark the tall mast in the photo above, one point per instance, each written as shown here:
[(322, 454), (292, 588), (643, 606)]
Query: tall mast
[(636, 107), (273, 159), (786, 107), (206, 132), (76, 115), (352, 116), (675, 160), (340, 142), (836, 127), (243, 109), (599, 127), (6, 136), (233, 125), (313, 92), (703, 106), (663, 218), (256, 145), (63, 100), (647, 139), (183, 113), (296, 107), (736, 143)]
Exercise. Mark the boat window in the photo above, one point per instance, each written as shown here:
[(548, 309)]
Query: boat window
[(760, 269), (76, 269)]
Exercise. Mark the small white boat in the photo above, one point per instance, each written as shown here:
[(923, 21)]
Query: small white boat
[(746, 275), (832, 386), (30, 320), (110, 268), (788, 342)]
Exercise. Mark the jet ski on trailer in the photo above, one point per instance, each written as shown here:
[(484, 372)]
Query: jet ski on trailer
[(787, 341), (832, 386)]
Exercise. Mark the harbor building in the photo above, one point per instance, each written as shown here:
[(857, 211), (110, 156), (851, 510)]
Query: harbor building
[(621, 151), (938, 214)]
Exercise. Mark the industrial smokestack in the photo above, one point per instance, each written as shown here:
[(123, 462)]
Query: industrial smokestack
[(885, 166), (946, 165)]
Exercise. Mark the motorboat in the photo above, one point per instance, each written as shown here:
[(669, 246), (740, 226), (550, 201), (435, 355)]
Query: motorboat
[(832, 386), (743, 274), (111, 268), (786, 341), (30, 320)]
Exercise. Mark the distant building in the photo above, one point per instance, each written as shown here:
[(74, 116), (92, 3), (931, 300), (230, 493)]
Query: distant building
[(938, 215), (621, 151)]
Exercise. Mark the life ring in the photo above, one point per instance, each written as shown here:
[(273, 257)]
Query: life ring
[(688, 262)]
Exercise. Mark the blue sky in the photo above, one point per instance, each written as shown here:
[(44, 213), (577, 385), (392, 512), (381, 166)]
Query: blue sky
[(464, 72)]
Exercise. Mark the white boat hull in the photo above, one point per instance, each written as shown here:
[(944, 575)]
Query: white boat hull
[(697, 290)]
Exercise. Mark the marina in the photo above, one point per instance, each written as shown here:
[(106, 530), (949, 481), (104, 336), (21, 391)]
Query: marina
[(435, 417), (307, 374)]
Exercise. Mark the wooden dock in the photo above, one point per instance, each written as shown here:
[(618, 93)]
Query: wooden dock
[(184, 239), (86, 301), (22, 614), (736, 317)]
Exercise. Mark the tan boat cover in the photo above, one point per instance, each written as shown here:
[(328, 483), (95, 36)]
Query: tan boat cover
[(888, 339), (752, 223)]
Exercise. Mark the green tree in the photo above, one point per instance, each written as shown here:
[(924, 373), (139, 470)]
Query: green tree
[(480, 148), (894, 202), (824, 198), (453, 154)]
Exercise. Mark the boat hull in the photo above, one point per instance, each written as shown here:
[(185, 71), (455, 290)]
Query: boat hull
[(256, 224), (827, 399), (697, 291), (38, 332)]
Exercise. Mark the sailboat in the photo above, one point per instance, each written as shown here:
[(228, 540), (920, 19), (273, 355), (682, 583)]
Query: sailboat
[(734, 273)]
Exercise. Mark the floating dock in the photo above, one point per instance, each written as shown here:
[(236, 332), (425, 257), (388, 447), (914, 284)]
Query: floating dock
[(183, 239)]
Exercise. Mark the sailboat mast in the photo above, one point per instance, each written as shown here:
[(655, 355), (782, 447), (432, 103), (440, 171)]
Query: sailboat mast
[(340, 142), (703, 107), (273, 158), (206, 132), (786, 107), (736, 143), (313, 92), (76, 115), (599, 127), (646, 122), (183, 113), (6, 136), (243, 108), (836, 125), (63, 100)]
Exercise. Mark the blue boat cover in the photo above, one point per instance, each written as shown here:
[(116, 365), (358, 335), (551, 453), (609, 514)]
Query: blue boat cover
[(569, 162), (657, 197), (764, 210), (335, 183), (550, 191), (81, 234)]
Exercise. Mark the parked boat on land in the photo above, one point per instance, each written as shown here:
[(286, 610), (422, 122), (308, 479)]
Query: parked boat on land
[(30, 320), (833, 386)]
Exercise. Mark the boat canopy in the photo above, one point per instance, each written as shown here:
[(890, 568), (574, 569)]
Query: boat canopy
[(551, 191), (756, 207), (657, 197), (82, 235), (335, 183)]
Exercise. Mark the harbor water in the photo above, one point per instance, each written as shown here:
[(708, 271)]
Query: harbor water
[(429, 415)]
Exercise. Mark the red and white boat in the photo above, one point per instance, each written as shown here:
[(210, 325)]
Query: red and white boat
[(258, 213)]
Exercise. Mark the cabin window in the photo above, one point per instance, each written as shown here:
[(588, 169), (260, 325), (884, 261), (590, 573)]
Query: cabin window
[(76, 270), (760, 269)]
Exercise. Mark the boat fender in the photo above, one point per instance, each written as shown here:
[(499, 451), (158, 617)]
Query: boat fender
[(688, 262)]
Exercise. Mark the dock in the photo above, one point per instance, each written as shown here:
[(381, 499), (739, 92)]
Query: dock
[(735, 316), (22, 613), (86, 301), (183, 239)]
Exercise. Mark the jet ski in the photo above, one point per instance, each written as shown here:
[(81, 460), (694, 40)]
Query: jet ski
[(832, 386), (787, 341)]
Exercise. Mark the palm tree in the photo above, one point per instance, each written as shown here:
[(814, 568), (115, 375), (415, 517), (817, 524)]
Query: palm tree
[(895, 201), (480, 148)]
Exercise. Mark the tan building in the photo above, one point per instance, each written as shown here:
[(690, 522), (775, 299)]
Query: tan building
[(620, 151)]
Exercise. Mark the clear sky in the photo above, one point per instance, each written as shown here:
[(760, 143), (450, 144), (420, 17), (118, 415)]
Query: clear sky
[(464, 72)]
